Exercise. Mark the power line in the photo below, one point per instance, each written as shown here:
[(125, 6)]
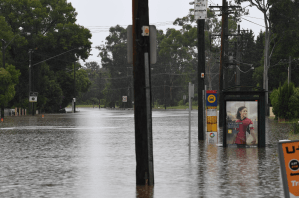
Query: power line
[(53, 57), (253, 22), (252, 17), (98, 29), (243, 71)]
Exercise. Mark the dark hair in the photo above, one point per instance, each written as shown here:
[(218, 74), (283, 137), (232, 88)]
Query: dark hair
[(238, 112)]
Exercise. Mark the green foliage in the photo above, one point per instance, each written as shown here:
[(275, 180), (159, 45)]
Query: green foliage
[(94, 101), (103, 102), (181, 103), (294, 103), (285, 101), (53, 31), (284, 16), (258, 75), (296, 128), (9, 78), (50, 95), (274, 101)]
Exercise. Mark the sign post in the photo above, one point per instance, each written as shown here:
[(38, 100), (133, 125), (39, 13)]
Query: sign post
[(200, 13), (211, 102), (32, 99), (289, 165), (124, 99)]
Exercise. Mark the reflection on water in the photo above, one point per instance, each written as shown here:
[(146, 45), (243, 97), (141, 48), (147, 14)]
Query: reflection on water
[(92, 154)]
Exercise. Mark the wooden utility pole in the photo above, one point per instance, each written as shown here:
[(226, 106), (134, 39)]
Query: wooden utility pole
[(142, 94), (201, 70), (238, 56), (289, 69), (222, 61), (75, 87), (224, 52), (3, 57), (30, 82), (100, 90)]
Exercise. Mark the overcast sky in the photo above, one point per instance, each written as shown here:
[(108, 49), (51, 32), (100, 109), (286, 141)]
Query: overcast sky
[(99, 15)]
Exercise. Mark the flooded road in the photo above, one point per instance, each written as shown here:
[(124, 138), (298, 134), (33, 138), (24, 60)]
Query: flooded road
[(92, 154)]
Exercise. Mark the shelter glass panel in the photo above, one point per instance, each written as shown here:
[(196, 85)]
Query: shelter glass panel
[(242, 123)]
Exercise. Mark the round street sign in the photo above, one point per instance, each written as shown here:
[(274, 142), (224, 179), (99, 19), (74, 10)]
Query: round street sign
[(211, 98)]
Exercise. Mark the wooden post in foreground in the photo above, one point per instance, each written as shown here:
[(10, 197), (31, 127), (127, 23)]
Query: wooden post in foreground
[(142, 94)]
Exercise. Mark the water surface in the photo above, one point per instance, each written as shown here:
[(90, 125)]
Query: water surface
[(92, 154)]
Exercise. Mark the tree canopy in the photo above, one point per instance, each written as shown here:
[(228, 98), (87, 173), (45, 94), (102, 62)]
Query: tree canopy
[(49, 29)]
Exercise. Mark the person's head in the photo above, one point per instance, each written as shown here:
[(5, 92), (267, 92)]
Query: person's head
[(242, 112)]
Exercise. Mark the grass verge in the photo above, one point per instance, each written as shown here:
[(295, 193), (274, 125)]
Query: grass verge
[(293, 136), (86, 106)]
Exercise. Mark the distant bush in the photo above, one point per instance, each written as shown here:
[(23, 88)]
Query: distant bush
[(181, 103), (103, 102), (285, 101)]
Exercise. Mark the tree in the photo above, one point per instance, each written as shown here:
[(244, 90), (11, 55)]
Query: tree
[(283, 108), (98, 79), (251, 57), (284, 17), (114, 59), (271, 39), (66, 82), (176, 65), (9, 75), (53, 28), (92, 66), (9, 78), (284, 39)]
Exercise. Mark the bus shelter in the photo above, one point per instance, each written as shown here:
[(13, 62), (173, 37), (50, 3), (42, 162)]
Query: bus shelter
[(244, 117)]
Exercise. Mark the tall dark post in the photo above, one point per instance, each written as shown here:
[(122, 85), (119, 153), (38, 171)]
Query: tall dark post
[(74, 87), (222, 61), (32, 104), (225, 71), (3, 54), (289, 70), (164, 95), (100, 91), (238, 54), (142, 95), (201, 69)]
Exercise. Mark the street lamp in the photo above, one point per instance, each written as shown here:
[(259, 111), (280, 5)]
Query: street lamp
[(3, 54)]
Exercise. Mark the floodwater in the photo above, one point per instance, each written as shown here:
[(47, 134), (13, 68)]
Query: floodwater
[(92, 154)]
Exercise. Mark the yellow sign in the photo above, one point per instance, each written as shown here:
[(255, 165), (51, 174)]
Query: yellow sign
[(211, 98)]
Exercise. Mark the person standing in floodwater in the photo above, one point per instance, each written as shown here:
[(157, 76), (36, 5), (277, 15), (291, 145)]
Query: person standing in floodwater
[(245, 124)]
